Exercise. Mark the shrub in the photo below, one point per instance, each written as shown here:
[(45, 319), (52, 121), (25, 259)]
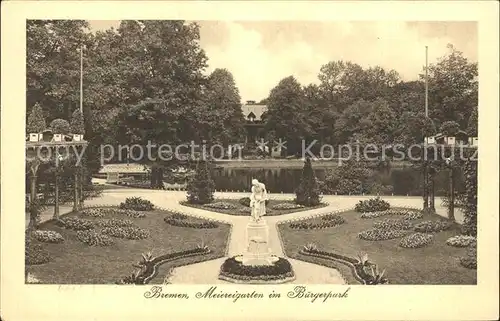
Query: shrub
[(35, 254), (221, 206), (77, 224), (60, 126), (115, 222), (461, 241), (179, 216), (372, 205), (201, 187), (126, 232), (186, 223), (470, 259), (77, 123), (286, 206), (393, 224), (380, 235), (416, 240), (245, 201), (469, 226), (308, 192), (278, 270), (36, 121), (48, 236), (407, 214), (349, 179), (93, 238), (136, 204), (432, 226)]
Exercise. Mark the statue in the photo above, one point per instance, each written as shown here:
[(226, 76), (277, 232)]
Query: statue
[(258, 200)]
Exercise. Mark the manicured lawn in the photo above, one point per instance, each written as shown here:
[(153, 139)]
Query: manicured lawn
[(242, 210), (74, 262), (437, 263)]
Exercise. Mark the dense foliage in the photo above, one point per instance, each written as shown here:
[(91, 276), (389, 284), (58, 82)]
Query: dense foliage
[(137, 204), (201, 187), (372, 205), (36, 121), (308, 192), (470, 206)]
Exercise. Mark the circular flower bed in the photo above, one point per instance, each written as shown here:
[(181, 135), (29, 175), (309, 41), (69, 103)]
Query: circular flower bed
[(77, 224), (380, 235), (234, 271), (48, 236), (35, 254), (461, 241), (372, 205), (393, 224), (221, 206), (416, 240), (407, 214), (115, 222), (185, 223), (286, 206), (137, 204), (432, 226), (127, 232), (93, 238), (470, 260), (95, 212)]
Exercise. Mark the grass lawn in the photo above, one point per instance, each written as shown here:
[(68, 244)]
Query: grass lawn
[(437, 263), (242, 210), (74, 262)]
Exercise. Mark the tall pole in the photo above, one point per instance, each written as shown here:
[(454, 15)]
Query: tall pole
[(426, 83), (81, 79)]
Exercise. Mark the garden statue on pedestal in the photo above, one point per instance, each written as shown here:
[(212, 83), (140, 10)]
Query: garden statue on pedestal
[(258, 200)]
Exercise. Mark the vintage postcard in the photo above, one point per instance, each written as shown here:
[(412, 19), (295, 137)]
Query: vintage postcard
[(251, 160)]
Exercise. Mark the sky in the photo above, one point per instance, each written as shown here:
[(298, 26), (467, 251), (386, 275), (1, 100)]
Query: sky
[(260, 54)]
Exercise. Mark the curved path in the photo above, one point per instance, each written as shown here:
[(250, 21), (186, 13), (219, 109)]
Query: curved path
[(207, 272)]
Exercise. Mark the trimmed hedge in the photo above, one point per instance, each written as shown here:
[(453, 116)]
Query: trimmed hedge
[(279, 270), (372, 205)]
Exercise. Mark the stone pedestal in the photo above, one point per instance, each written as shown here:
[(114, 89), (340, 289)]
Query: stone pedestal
[(258, 251)]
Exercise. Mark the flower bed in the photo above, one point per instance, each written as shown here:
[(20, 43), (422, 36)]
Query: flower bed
[(393, 224), (358, 268), (470, 259), (185, 223), (221, 206), (137, 204), (380, 235), (329, 220), (93, 238), (48, 236), (286, 206), (75, 223), (408, 214), (127, 232), (179, 216), (372, 205), (245, 201), (432, 226), (104, 211), (114, 222), (149, 265), (35, 254), (234, 271), (416, 240), (461, 241)]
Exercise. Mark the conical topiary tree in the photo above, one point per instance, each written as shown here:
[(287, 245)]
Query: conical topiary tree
[(36, 122), (201, 187), (60, 126), (308, 191), (469, 226), (77, 125)]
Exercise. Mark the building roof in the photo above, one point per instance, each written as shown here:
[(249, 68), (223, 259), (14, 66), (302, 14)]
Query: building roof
[(254, 110), (123, 168)]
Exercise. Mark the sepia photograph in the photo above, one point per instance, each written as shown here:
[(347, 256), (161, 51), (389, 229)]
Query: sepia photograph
[(252, 159)]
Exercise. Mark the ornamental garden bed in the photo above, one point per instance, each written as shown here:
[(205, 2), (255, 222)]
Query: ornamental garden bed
[(434, 263), (279, 272), (240, 208), (75, 261)]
